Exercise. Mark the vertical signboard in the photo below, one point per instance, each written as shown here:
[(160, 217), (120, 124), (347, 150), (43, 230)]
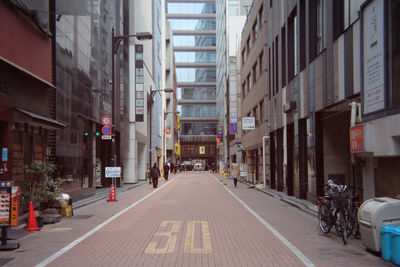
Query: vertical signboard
[(357, 139), (139, 83), (220, 134), (373, 45), (233, 123), (5, 202)]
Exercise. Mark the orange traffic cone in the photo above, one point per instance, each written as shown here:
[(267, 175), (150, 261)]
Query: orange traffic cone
[(32, 224), (112, 194)]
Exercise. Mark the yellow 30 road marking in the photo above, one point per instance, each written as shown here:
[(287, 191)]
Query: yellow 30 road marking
[(170, 245), (189, 244)]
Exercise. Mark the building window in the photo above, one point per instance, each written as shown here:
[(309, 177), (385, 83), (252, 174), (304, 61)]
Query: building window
[(261, 111), (292, 45), (243, 90), (248, 83), (273, 70), (255, 31), (255, 115), (277, 64), (260, 62), (395, 8), (350, 12), (302, 41), (269, 73), (283, 51), (316, 28), (254, 71), (261, 16), (248, 45), (270, 3), (243, 57), (320, 25)]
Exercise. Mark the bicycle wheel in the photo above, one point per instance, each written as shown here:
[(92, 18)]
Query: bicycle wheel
[(324, 218), (351, 219), (343, 223)]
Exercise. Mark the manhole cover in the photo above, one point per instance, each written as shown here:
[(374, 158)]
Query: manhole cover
[(80, 217)]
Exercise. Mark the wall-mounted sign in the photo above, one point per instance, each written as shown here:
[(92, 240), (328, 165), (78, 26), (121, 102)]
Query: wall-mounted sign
[(248, 123), (139, 82), (373, 45), (357, 139), (4, 154), (202, 150)]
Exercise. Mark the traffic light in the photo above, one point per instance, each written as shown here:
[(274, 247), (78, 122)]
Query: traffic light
[(97, 134), (86, 133)]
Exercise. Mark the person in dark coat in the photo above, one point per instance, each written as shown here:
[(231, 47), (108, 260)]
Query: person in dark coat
[(155, 173), (166, 171)]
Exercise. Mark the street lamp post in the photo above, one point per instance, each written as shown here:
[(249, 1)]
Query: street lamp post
[(115, 42), (152, 94)]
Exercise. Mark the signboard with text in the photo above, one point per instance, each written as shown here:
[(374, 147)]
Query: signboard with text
[(139, 83), (373, 47), (357, 139), (113, 172), (248, 123)]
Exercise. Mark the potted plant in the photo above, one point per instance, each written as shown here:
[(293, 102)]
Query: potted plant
[(35, 183)]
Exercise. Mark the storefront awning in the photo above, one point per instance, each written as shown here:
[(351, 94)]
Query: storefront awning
[(37, 120)]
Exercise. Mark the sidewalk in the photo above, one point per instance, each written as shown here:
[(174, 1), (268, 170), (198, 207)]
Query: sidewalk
[(103, 193), (302, 204)]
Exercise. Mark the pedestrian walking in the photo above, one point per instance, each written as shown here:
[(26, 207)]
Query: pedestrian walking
[(166, 171), (155, 173), (148, 171), (235, 172)]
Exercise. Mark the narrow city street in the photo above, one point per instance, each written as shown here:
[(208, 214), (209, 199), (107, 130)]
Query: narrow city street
[(191, 220)]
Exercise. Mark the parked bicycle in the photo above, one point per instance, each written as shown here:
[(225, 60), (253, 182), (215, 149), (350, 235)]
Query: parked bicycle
[(354, 206), (333, 210)]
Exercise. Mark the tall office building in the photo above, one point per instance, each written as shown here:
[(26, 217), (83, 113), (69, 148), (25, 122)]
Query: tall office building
[(231, 17), (194, 37)]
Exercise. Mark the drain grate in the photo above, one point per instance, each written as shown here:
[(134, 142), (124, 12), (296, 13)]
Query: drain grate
[(80, 217)]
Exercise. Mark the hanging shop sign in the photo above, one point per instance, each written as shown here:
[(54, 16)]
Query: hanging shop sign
[(139, 83), (357, 139)]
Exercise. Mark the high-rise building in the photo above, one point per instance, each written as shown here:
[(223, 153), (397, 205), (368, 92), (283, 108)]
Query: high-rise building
[(231, 16), (194, 29)]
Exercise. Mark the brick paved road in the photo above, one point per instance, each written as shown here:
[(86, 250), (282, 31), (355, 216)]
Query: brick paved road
[(192, 220)]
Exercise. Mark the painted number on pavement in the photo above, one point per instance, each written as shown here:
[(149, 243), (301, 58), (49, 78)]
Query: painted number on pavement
[(152, 247)]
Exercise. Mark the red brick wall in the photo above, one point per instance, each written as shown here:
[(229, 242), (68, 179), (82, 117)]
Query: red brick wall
[(23, 43)]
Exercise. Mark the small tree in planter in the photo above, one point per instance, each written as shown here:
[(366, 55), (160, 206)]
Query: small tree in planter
[(34, 187)]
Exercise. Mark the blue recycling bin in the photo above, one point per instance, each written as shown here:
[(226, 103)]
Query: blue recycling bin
[(386, 241), (396, 245)]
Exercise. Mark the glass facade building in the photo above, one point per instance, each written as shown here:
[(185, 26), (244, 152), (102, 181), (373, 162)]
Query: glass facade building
[(194, 38), (83, 94)]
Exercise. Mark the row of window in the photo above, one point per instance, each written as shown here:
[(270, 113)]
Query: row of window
[(254, 75), (293, 39), (255, 32)]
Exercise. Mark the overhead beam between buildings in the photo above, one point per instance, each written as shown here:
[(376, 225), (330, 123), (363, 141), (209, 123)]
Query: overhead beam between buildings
[(195, 65), (190, 16), (197, 84), (193, 32), (194, 48)]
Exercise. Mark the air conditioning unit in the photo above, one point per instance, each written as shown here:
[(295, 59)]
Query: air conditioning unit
[(289, 106)]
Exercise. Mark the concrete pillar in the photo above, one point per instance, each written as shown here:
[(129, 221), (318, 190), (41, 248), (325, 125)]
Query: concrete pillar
[(130, 161), (368, 177)]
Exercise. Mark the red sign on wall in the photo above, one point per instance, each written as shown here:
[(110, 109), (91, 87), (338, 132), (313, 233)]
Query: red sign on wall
[(357, 139)]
